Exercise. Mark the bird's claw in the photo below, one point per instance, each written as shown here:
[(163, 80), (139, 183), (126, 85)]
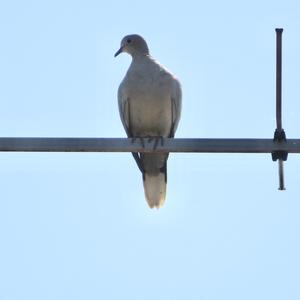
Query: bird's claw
[(141, 140), (156, 139)]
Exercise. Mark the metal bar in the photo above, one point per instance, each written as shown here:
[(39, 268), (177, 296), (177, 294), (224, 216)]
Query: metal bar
[(281, 175), (35, 144), (279, 100), (279, 78)]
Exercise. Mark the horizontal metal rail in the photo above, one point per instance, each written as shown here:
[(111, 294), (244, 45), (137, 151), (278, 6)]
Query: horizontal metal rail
[(35, 144)]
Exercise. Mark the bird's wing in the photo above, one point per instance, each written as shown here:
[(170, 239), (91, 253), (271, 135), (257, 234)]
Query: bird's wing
[(124, 111), (176, 96)]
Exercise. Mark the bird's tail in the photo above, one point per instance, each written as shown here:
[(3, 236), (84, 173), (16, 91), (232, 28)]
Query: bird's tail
[(155, 186)]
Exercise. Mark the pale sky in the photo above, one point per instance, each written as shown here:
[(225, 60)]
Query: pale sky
[(76, 225)]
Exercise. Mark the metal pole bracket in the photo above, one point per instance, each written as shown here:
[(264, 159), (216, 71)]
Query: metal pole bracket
[(279, 137)]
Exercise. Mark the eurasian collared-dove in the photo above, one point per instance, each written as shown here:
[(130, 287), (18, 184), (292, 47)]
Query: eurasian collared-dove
[(150, 105)]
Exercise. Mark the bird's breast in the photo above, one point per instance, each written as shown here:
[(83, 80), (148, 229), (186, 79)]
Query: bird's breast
[(150, 114)]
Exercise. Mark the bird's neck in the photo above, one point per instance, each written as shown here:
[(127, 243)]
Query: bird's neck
[(137, 57)]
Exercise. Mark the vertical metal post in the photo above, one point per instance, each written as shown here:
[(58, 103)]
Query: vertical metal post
[(279, 78), (281, 175), (279, 133)]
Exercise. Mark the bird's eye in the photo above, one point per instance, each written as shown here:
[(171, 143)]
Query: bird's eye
[(128, 41)]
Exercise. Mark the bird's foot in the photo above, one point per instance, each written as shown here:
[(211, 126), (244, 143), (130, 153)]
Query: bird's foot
[(140, 139), (156, 139)]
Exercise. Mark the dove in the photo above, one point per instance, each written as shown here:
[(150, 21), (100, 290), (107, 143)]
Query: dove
[(149, 99)]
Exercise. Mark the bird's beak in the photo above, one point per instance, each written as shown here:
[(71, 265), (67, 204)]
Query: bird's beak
[(119, 51)]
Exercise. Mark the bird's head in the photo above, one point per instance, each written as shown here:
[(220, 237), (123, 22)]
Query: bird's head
[(134, 45)]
